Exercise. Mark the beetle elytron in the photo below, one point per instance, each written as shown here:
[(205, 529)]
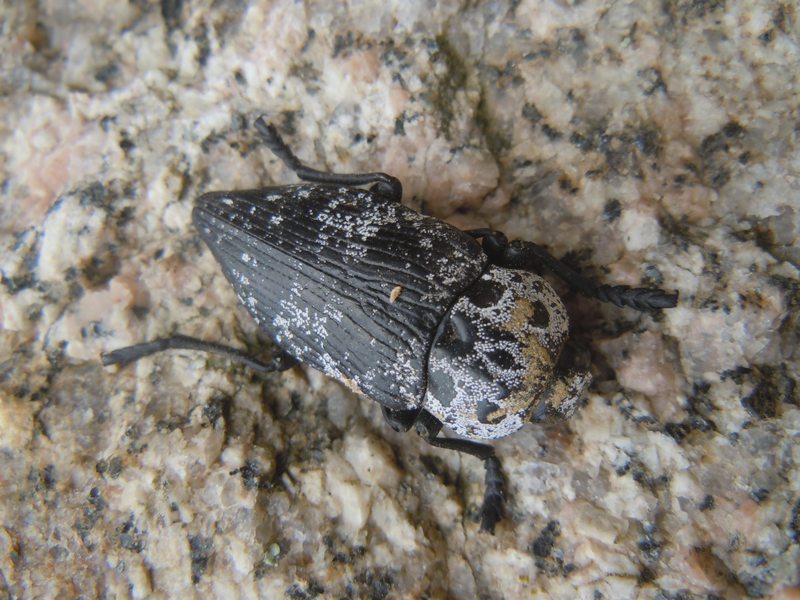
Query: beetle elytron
[(442, 327)]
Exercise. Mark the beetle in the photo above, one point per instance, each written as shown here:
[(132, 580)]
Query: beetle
[(444, 328)]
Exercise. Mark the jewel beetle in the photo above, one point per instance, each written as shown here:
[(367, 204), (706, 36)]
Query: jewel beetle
[(444, 328)]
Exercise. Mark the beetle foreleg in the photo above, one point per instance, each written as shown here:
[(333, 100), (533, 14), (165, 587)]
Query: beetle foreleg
[(529, 256), (124, 356), (384, 184), (429, 427)]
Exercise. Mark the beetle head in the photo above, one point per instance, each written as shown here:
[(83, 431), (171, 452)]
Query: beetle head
[(493, 355)]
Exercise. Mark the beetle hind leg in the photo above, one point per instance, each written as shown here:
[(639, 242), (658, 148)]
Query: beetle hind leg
[(429, 427), (384, 184), (124, 356)]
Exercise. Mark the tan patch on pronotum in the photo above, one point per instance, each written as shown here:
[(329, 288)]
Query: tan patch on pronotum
[(539, 372), (395, 294), (522, 314)]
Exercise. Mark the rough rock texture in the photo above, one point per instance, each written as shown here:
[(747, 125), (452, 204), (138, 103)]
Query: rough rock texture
[(648, 142)]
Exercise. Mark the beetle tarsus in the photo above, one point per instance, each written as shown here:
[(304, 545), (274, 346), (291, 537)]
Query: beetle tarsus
[(386, 185), (529, 257), (494, 497), (124, 356)]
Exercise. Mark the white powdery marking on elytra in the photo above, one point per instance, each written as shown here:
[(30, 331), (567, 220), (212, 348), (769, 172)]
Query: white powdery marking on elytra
[(283, 325), (252, 301), (362, 227), (318, 326), (330, 366), (245, 258), (227, 202), (334, 313), (276, 219)]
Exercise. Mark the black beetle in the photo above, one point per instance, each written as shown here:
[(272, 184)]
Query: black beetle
[(439, 328)]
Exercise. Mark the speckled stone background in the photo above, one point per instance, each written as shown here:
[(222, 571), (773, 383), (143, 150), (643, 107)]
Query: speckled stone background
[(650, 142)]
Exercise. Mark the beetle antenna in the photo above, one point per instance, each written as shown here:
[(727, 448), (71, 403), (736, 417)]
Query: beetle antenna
[(529, 257)]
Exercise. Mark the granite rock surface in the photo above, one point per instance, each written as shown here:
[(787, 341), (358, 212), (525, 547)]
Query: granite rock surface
[(648, 143)]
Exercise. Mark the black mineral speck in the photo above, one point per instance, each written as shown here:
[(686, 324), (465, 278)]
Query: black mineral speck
[(531, 113), (200, 36), (171, 12), (253, 475), (130, 537), (677, 431), (581, 142), (733, 130), (646, 140), (550, 132), (794, 523), (49, 477), (91, 514), (201, 549), (215, 408), (759, 495), (400, 125), (126, 144), (115, 467), (707, 503), (98, 270), (653, 81), (377, 583), (107, 73), (342, 43), (650, 548), (612, 210), (773, 388), (297, 592), (543, 544)]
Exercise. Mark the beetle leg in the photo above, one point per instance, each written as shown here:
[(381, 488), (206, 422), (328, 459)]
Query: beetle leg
[(385, 185), (124, 356), (429, 427), (400, 420), (528, 256)]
